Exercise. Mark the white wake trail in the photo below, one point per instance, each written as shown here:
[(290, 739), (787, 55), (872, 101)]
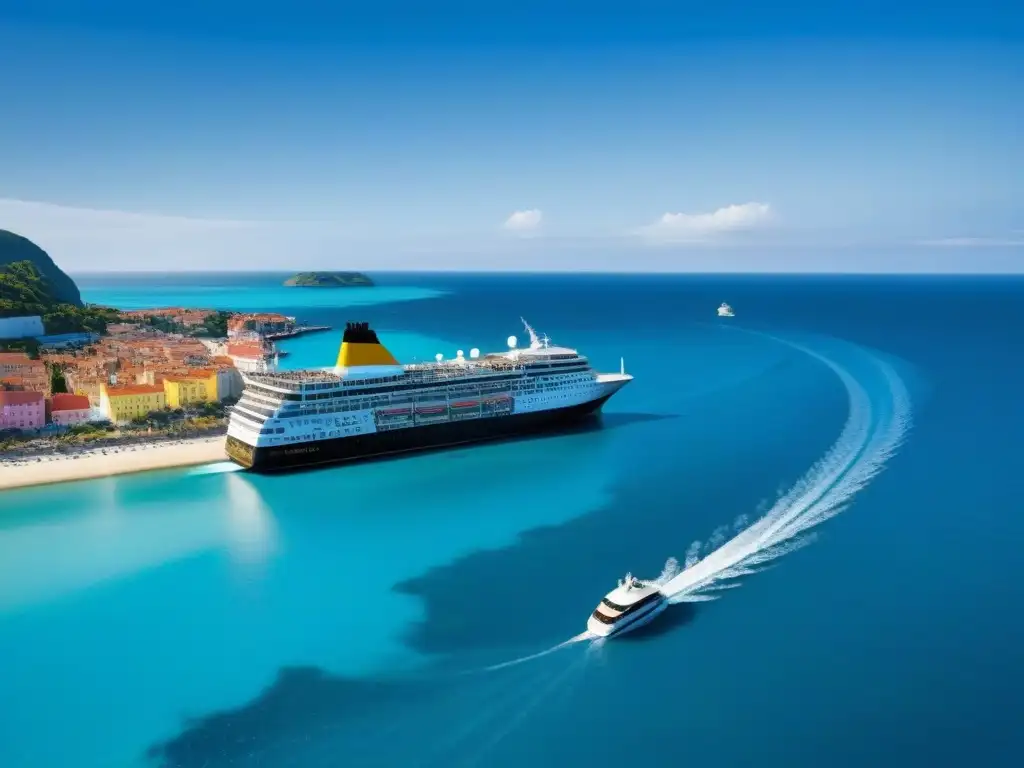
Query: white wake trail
[(523, 659), (867, 441), (858, 455)]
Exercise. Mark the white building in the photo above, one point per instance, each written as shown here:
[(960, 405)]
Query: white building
[(67, 410), (21, 327), (229, 384)]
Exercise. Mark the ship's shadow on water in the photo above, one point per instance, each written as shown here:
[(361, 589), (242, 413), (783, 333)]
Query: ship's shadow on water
[(303, 704), (309, 715)]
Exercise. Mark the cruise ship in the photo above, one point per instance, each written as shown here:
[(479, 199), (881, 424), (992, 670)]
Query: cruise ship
[(371, 405)]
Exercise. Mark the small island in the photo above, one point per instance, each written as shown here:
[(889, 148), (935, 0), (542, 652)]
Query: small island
[(329, 280)]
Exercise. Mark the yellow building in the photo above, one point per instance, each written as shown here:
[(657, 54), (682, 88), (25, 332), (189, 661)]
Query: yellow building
[(190, 388), (123, 403)]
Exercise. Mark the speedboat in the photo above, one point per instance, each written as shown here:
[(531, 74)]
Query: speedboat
[(630, 605), (725, 310)]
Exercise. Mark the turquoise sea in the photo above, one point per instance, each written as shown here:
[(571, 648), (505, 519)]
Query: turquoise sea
[(365, 615)]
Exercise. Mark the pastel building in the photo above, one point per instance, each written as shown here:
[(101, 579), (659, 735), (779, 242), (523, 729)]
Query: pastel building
[(229, 380), (22, 410), (68, 410), (193, 387), (249, 356), (123, 403)]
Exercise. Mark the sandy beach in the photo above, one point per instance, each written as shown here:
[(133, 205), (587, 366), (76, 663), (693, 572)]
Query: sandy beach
[(119, 460)]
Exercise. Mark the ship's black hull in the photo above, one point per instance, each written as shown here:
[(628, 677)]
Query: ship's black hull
[(418, 438)]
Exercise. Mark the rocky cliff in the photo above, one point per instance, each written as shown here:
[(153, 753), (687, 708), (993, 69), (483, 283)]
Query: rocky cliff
[(15, 248)]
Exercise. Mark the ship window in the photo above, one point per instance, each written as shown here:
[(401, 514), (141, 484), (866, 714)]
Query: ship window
[(627, 608), (604, 619)]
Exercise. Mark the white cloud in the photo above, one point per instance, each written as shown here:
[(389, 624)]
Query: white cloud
[(524, 221), (700, 227), (974, 242)]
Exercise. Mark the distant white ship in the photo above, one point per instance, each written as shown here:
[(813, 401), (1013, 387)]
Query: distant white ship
[(630, 605), (725, 310)]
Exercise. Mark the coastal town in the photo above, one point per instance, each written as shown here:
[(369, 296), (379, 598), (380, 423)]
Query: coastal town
[(88, 390), (152, 369)]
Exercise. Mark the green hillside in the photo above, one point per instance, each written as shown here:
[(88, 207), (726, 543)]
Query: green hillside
[(37, 286), (329, 280), (15, 248)]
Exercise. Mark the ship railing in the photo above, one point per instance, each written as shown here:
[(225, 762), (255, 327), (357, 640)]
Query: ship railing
[(429, 373), (426, 373)]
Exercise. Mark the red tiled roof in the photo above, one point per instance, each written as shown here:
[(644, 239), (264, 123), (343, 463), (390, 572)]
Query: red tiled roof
[(69, 402), (20, 398), (14, 357), (245, 350)]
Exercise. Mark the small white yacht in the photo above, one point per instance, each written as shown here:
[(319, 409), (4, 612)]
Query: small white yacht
[(725, 310), (631, 604)]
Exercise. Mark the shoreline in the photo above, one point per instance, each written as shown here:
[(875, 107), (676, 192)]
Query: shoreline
[(127, 459)]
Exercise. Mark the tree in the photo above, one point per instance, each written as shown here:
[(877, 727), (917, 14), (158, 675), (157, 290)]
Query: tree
[(214, 325), (25, 291), (58, 384)]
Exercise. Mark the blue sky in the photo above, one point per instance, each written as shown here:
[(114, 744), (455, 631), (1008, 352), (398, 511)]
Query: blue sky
[(592, 136)]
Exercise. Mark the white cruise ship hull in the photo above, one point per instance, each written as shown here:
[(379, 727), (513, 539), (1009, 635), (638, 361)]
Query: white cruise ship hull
[(425, 431)]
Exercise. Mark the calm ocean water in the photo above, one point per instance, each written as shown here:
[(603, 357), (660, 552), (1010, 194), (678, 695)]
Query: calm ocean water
[(206, 618)]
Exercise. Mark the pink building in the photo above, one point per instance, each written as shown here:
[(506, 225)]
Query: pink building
[(22, 410), (68, 410)]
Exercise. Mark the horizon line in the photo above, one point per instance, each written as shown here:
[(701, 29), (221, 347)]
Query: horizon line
[(619, 273)]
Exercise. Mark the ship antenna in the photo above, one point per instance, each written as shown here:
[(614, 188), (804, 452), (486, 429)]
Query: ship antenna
[(534, 341)]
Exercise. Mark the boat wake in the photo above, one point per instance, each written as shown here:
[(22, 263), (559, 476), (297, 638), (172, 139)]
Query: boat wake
[(868, 439), (217, 468), (523, 659)]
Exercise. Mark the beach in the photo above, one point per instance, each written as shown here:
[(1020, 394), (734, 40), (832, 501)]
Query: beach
[(103, 462)]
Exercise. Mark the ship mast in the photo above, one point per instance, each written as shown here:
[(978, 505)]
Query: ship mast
[(535, 342)]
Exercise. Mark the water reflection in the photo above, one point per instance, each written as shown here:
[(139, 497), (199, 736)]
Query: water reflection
[(251, 529), (96, 537)]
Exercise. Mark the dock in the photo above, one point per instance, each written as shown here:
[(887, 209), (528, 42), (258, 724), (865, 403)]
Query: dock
[(298, 330)]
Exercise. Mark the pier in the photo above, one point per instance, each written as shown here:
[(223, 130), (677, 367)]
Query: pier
[(298, 330)]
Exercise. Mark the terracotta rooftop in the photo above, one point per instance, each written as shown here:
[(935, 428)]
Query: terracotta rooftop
[(246, 350), (14, 357), (134, 389), (68, 402)]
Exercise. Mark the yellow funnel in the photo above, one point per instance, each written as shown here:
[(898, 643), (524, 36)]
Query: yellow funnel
[(360, 346)]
